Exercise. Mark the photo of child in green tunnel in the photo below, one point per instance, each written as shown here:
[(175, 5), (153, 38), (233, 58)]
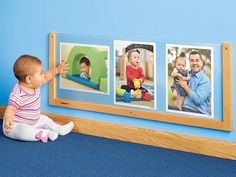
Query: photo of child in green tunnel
[(88, 67)]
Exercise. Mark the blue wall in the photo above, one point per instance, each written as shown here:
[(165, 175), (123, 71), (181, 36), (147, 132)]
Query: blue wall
[(25, 25)]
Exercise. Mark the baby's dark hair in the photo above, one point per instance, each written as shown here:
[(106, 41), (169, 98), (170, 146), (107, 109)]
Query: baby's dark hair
[(24, 66), (85, 60), (131, 51)]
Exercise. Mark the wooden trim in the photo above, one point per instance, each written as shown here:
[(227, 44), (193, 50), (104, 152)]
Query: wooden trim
[(52, 64), (168, 140), (157, 116), (227, 85), (2, 110), (225, 124)]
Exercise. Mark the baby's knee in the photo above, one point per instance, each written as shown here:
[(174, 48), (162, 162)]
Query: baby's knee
[(21, 130), (174, 96), (24, 132), (16, 132)]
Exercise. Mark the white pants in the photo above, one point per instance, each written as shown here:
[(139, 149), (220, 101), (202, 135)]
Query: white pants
[(26, 132)]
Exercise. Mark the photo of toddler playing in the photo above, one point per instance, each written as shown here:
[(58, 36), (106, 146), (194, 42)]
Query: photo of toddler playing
[(134, 73)]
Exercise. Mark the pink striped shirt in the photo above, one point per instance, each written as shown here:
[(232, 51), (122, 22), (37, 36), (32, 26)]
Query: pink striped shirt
[(27, 105)]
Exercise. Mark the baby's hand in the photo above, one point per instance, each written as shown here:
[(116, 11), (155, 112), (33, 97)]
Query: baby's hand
[(141, 80), (83, 75), (63, 67), (8, 126)]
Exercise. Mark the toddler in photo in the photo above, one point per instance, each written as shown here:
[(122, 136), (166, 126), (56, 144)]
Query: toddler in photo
[(179, 72), (134, 73), (22, 119)]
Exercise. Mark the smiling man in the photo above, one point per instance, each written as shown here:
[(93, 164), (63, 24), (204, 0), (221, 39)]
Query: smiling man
[(198, 88)]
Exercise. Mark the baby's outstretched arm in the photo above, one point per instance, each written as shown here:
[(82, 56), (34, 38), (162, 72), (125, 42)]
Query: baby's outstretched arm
[(8, 118), (63, 67), (49, 75)]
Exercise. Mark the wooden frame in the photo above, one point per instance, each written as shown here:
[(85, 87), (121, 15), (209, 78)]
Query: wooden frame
[(224, 124)]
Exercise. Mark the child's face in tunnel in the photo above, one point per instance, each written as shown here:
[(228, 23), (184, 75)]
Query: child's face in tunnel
[(84, 68)]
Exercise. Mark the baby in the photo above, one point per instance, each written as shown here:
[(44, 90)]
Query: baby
[(179, 72), (22, 119), (84, 67), (134, 72)]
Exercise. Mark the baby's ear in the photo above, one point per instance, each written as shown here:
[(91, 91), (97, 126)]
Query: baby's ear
[(27, 79)]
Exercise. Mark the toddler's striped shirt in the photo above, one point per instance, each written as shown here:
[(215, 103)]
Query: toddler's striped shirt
[(27, 105)]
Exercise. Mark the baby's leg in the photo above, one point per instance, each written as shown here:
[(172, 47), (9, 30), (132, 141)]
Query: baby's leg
[(126, 87), (174, 97), (48, 123), (25, 132), (142, 88), (180, 102)]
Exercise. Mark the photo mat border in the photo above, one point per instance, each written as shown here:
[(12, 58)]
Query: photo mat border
[(171, 45), (114, 75), (108, 66)]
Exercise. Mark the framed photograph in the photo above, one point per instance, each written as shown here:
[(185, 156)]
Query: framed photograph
[(190, 83), (135, 72), (139, 79), (89, 67)]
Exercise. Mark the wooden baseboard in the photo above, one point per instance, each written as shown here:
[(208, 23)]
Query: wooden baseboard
[(2, 110), (168, 140)]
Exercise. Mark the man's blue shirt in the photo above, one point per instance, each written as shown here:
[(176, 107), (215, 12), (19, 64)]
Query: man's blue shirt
[(200, 96)]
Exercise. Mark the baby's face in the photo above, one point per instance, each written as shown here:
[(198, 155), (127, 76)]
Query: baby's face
[(84, 68), (134, 59), (37, 78), (180, 64)]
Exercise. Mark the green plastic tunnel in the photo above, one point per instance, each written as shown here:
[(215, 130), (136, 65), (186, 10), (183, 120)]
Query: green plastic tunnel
[(96, 58)]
